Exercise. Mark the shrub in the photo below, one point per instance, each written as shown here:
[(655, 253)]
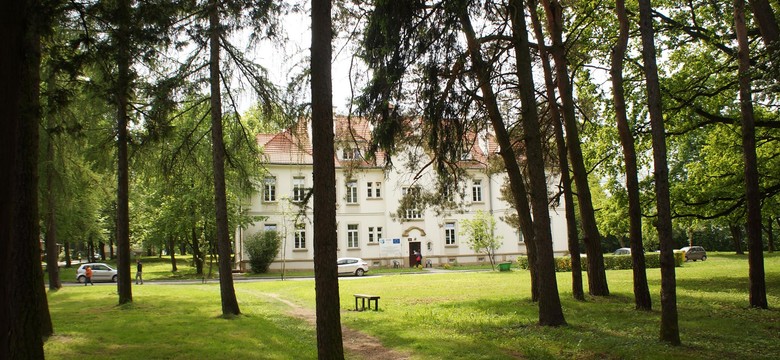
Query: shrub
[(611, 262), (262, 248)]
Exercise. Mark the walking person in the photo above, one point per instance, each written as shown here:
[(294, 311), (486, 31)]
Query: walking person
[(88, 274), (139, 272)]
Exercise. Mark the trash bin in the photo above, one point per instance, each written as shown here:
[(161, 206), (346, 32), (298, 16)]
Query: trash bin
[(504, 266)]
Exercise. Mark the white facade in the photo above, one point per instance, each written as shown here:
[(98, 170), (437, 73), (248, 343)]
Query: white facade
[(367, 203)]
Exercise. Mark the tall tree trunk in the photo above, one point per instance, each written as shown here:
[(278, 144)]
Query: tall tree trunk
[(641, 291), (519, 194), (767, 23), (550, 310), (52, 255), (172, 251), (752, 191), (123, 193), (516, 181), (329, 337), (68, 263), (24, 317), (12, 25), (736, 238), (563, 160), (229, 301), (597, 277), (669, 331)]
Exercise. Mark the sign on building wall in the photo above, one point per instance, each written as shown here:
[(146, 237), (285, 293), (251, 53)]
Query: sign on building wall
[(390, 247)]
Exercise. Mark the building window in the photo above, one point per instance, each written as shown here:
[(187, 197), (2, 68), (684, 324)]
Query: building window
[(269, 227), (269, 189), (476, 191), (352, 192), (300, 236), (411, 196), (465, 154), (299, 189), (449, 233), (352, 236), (374, 233), (374, 189), (350, 154), (446, 193)]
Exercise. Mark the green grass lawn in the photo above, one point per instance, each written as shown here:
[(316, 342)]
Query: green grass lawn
[(468, 315)]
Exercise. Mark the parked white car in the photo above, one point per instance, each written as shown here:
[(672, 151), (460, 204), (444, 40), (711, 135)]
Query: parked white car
[(352, 266), (100, 272)]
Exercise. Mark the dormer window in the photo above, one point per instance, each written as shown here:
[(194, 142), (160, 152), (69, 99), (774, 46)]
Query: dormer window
[(350, 154), (465, 154)]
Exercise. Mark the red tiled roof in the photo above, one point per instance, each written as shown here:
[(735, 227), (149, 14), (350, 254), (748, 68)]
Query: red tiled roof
[(291, 146)]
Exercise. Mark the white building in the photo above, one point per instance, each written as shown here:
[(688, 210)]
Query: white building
[(368, 199)]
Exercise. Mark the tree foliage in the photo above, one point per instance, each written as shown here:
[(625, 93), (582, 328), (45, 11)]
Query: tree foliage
[(262, 247), (480, 235)]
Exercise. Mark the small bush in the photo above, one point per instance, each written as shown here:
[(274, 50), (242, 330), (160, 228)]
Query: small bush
[(262, 248)]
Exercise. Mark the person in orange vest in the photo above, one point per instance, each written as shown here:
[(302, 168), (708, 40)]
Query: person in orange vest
[(88, 274)]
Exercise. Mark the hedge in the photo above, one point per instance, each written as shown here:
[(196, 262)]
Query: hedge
[(611, 262)]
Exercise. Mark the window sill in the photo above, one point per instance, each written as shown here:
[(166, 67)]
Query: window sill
[(372, 243), (353, 249), (300, 250), (451, 246)]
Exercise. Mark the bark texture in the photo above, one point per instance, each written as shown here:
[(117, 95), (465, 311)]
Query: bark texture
[(669, 331), (550, 310), (563, 160), (752, 191), (329, 336), (597, 277), (123, 193), (641, 291), (226, 289), (767, 23), (25, 314)]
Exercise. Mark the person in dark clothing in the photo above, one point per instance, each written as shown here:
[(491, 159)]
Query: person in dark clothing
[(139, 272)]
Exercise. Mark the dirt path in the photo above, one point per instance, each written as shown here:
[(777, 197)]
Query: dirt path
[(356, 344)]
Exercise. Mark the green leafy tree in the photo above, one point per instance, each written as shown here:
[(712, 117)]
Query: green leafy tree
[(480, 234)]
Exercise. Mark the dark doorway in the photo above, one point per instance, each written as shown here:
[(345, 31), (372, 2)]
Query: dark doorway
[(414, 249)]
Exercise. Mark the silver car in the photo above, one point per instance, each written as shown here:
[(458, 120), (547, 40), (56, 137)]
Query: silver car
[(694, 253), (352, 266), (100, 272), (623, 251)]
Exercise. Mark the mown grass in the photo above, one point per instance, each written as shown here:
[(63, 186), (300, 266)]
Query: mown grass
[(470, 315)]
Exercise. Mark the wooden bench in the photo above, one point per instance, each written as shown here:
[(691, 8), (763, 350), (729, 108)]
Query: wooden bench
[(364, 297)]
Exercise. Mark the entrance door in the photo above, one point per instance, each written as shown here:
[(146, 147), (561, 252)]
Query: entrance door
[(414, 249)]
